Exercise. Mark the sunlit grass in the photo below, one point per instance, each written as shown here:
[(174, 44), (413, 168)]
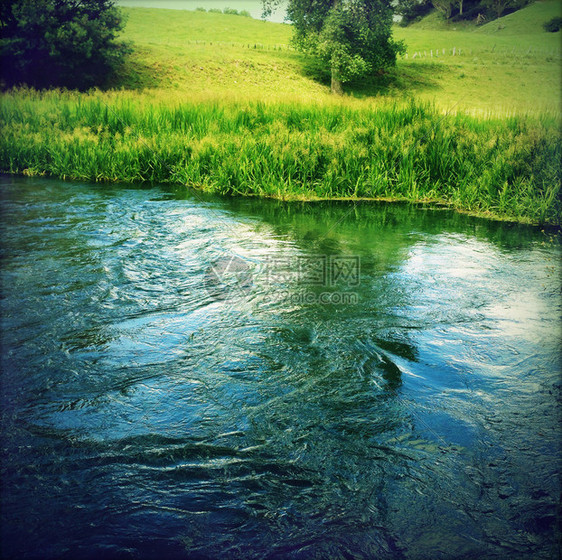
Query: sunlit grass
[(511, 65), (225, 104), (506, 167), (473, 69)]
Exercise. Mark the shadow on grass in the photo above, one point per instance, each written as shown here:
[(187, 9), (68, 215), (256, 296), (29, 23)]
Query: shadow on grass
[(136, 73), (406, 79)]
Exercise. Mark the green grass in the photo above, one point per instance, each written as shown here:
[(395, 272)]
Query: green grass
[(219, 55), (503, 167), (225, 104), (210, 53), (434, 21), (515, 70), (527, 22)]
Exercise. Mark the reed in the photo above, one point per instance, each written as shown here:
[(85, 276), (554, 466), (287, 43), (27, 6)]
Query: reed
[(506, 167)]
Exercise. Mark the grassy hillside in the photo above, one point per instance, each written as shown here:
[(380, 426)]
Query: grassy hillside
[(212, 54), (528, 21), (510, 72), (510, 65)]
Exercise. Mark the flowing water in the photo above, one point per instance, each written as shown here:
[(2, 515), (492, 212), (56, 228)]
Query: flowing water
[(195, 377)]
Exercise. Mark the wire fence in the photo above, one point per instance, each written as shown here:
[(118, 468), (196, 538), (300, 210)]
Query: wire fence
[(458, 51)]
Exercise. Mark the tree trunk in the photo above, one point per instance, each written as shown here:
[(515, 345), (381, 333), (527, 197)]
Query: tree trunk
[(337, 87), (460, 7)]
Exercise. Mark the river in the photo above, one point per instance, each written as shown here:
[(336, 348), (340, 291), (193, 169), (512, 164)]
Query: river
[(187, 376)]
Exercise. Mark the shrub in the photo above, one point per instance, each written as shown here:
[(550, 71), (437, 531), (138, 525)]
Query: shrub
[(553, 25), (54, 43)]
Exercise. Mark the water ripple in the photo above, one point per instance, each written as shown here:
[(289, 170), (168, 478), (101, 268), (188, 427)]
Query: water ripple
[(148, 412)]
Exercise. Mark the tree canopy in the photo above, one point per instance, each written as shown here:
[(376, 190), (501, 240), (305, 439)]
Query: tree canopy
[(479, 11), (65, 43), (353, 38)]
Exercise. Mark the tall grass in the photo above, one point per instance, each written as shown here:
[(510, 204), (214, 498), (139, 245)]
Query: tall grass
[(505, 167)]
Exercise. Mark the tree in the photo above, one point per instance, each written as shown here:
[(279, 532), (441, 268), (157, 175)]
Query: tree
[(353, 38), (411, 10), (444, 6), (63, 43), (500, 6)]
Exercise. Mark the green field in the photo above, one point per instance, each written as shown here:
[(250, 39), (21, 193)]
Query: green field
[(515, 70), (468, 117)]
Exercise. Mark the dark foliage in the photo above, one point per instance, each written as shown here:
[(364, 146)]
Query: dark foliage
[(471, 10), (59, 43), (352, 38), (553, 25), (456, 10), (412, 10)]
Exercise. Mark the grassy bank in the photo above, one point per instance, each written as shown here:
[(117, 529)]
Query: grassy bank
[(223, 103), (506, 167)]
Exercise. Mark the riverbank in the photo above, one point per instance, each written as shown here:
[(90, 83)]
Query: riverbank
[(508, 168), (222, 103)]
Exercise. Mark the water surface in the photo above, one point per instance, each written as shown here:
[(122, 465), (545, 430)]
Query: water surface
[(186, 377)]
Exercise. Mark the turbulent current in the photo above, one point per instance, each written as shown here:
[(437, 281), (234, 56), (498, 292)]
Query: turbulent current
[(195, 377)]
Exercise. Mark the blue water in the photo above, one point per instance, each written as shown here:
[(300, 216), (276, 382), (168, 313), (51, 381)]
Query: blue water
[(196, 377)]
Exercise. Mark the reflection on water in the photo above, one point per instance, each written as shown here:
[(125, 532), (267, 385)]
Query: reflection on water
[(144, 416)]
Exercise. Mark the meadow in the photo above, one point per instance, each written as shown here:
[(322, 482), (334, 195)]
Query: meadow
[(470, 117), (483, 70)]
